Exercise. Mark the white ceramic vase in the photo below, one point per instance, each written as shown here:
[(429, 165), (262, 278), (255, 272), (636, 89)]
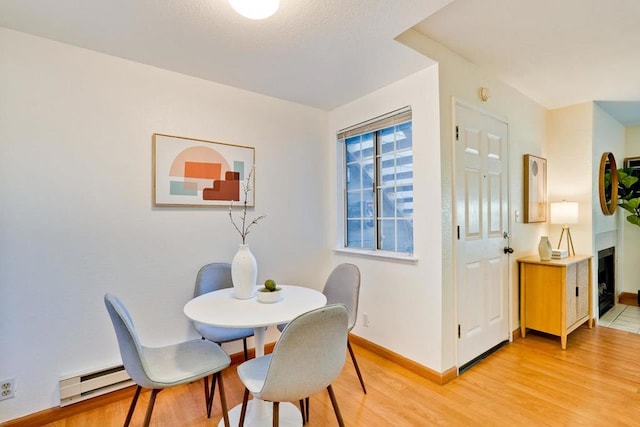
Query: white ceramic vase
[(544, 248), (244, 273)]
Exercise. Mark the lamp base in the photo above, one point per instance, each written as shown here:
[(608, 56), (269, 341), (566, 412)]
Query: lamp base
[(570, 250)]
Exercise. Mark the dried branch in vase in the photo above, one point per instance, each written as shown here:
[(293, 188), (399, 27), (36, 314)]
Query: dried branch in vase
[(245, 226)]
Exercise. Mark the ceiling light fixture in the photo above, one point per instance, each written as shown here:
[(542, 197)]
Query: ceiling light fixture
[(255, 9)]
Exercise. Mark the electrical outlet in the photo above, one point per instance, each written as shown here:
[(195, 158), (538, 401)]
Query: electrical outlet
[(365, 320), (7, 389)]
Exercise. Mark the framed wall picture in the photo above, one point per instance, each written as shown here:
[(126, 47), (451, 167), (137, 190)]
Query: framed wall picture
[(535, 189), (195, 172), (632, 163)]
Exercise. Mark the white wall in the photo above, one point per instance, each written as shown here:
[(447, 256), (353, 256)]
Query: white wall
[(569, 168), (608, 136), (578, 137), (76, 217), (402, 299), (462, 80)]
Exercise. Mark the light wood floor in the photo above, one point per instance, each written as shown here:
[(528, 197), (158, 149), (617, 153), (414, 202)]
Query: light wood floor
[(628, 298), (530, 382)]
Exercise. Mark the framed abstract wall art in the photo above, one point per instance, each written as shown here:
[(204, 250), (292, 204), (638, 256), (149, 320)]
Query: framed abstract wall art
[(535, 189), (195, 172)]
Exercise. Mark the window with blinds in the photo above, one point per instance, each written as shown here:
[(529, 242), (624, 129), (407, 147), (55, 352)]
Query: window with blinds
[(379, 183)]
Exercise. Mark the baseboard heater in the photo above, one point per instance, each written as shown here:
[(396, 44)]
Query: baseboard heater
[(79, 387)]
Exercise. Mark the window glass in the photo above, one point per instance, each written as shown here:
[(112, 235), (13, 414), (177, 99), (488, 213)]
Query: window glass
[(379, 186)]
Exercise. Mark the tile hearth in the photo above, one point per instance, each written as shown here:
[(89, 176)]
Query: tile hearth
[(623, 317)]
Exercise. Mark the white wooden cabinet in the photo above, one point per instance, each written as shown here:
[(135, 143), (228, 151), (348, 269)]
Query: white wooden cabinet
[(555, 295)]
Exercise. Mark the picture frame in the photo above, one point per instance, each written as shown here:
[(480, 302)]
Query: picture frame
[(535, 189), (200, 173), (632, 163)]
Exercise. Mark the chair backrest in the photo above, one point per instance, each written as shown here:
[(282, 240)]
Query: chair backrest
[(130, 347), (343, 287), (212, 277), (308, 356)]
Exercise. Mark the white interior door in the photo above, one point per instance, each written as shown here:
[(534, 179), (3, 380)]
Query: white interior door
[(482, 221)]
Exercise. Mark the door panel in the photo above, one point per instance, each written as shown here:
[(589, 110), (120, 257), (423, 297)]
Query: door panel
[(473, 197)]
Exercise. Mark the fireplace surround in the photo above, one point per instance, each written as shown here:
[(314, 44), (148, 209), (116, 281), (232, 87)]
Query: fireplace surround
[(606, 280)]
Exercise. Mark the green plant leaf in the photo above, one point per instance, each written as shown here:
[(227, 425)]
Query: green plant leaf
[(627, 208), (633, 203), (629, 193), (633, 219), (628, 180)]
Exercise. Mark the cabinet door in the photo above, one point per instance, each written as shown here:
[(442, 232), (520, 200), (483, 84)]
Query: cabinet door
[(582, 282), (571, 283), (543, 298)]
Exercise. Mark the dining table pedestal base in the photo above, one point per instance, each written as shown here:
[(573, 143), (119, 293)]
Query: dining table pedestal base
[(290, 416)]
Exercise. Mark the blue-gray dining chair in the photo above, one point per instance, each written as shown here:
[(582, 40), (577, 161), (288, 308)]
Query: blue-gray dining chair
[(307, 358), (343, 287), (213, 277), (158, 368)]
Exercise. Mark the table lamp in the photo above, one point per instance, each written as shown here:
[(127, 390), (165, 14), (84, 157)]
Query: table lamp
[(565, 213)]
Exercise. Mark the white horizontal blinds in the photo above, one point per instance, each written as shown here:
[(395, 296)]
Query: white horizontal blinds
[(390, 119)]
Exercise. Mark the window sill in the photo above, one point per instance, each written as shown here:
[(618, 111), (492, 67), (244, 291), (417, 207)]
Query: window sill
[(395, 256)]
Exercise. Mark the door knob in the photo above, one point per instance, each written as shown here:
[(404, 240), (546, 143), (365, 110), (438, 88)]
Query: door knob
[(508, 250)]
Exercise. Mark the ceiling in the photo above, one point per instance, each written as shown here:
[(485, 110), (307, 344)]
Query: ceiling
[(321, 53), (325, 53), (556, 52)]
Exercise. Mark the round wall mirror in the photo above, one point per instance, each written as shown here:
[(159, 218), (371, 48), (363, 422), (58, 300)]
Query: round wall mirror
[(608, 180)]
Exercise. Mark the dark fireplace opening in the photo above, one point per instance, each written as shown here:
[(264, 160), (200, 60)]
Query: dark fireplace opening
[(606, 280)]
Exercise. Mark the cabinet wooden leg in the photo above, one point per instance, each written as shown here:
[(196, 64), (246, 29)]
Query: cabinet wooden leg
[(563, 341)]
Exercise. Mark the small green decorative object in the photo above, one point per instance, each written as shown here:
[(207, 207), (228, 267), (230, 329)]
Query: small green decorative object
[(270, 293), (269, 286)]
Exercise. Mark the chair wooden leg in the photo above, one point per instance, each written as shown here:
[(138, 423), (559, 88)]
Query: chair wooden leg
[(334, 402), (304, 420), (152, 401), (132, 407), (243, 411), (355, 363), (206, 391), (246, 353), (306, 408), (276, 414), (210, 392), (223, 400)]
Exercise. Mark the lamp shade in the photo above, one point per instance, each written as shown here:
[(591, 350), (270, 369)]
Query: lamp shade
[(564, 213), (255, 9)]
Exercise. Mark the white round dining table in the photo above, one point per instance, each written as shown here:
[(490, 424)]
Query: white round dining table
[(221, 308)]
